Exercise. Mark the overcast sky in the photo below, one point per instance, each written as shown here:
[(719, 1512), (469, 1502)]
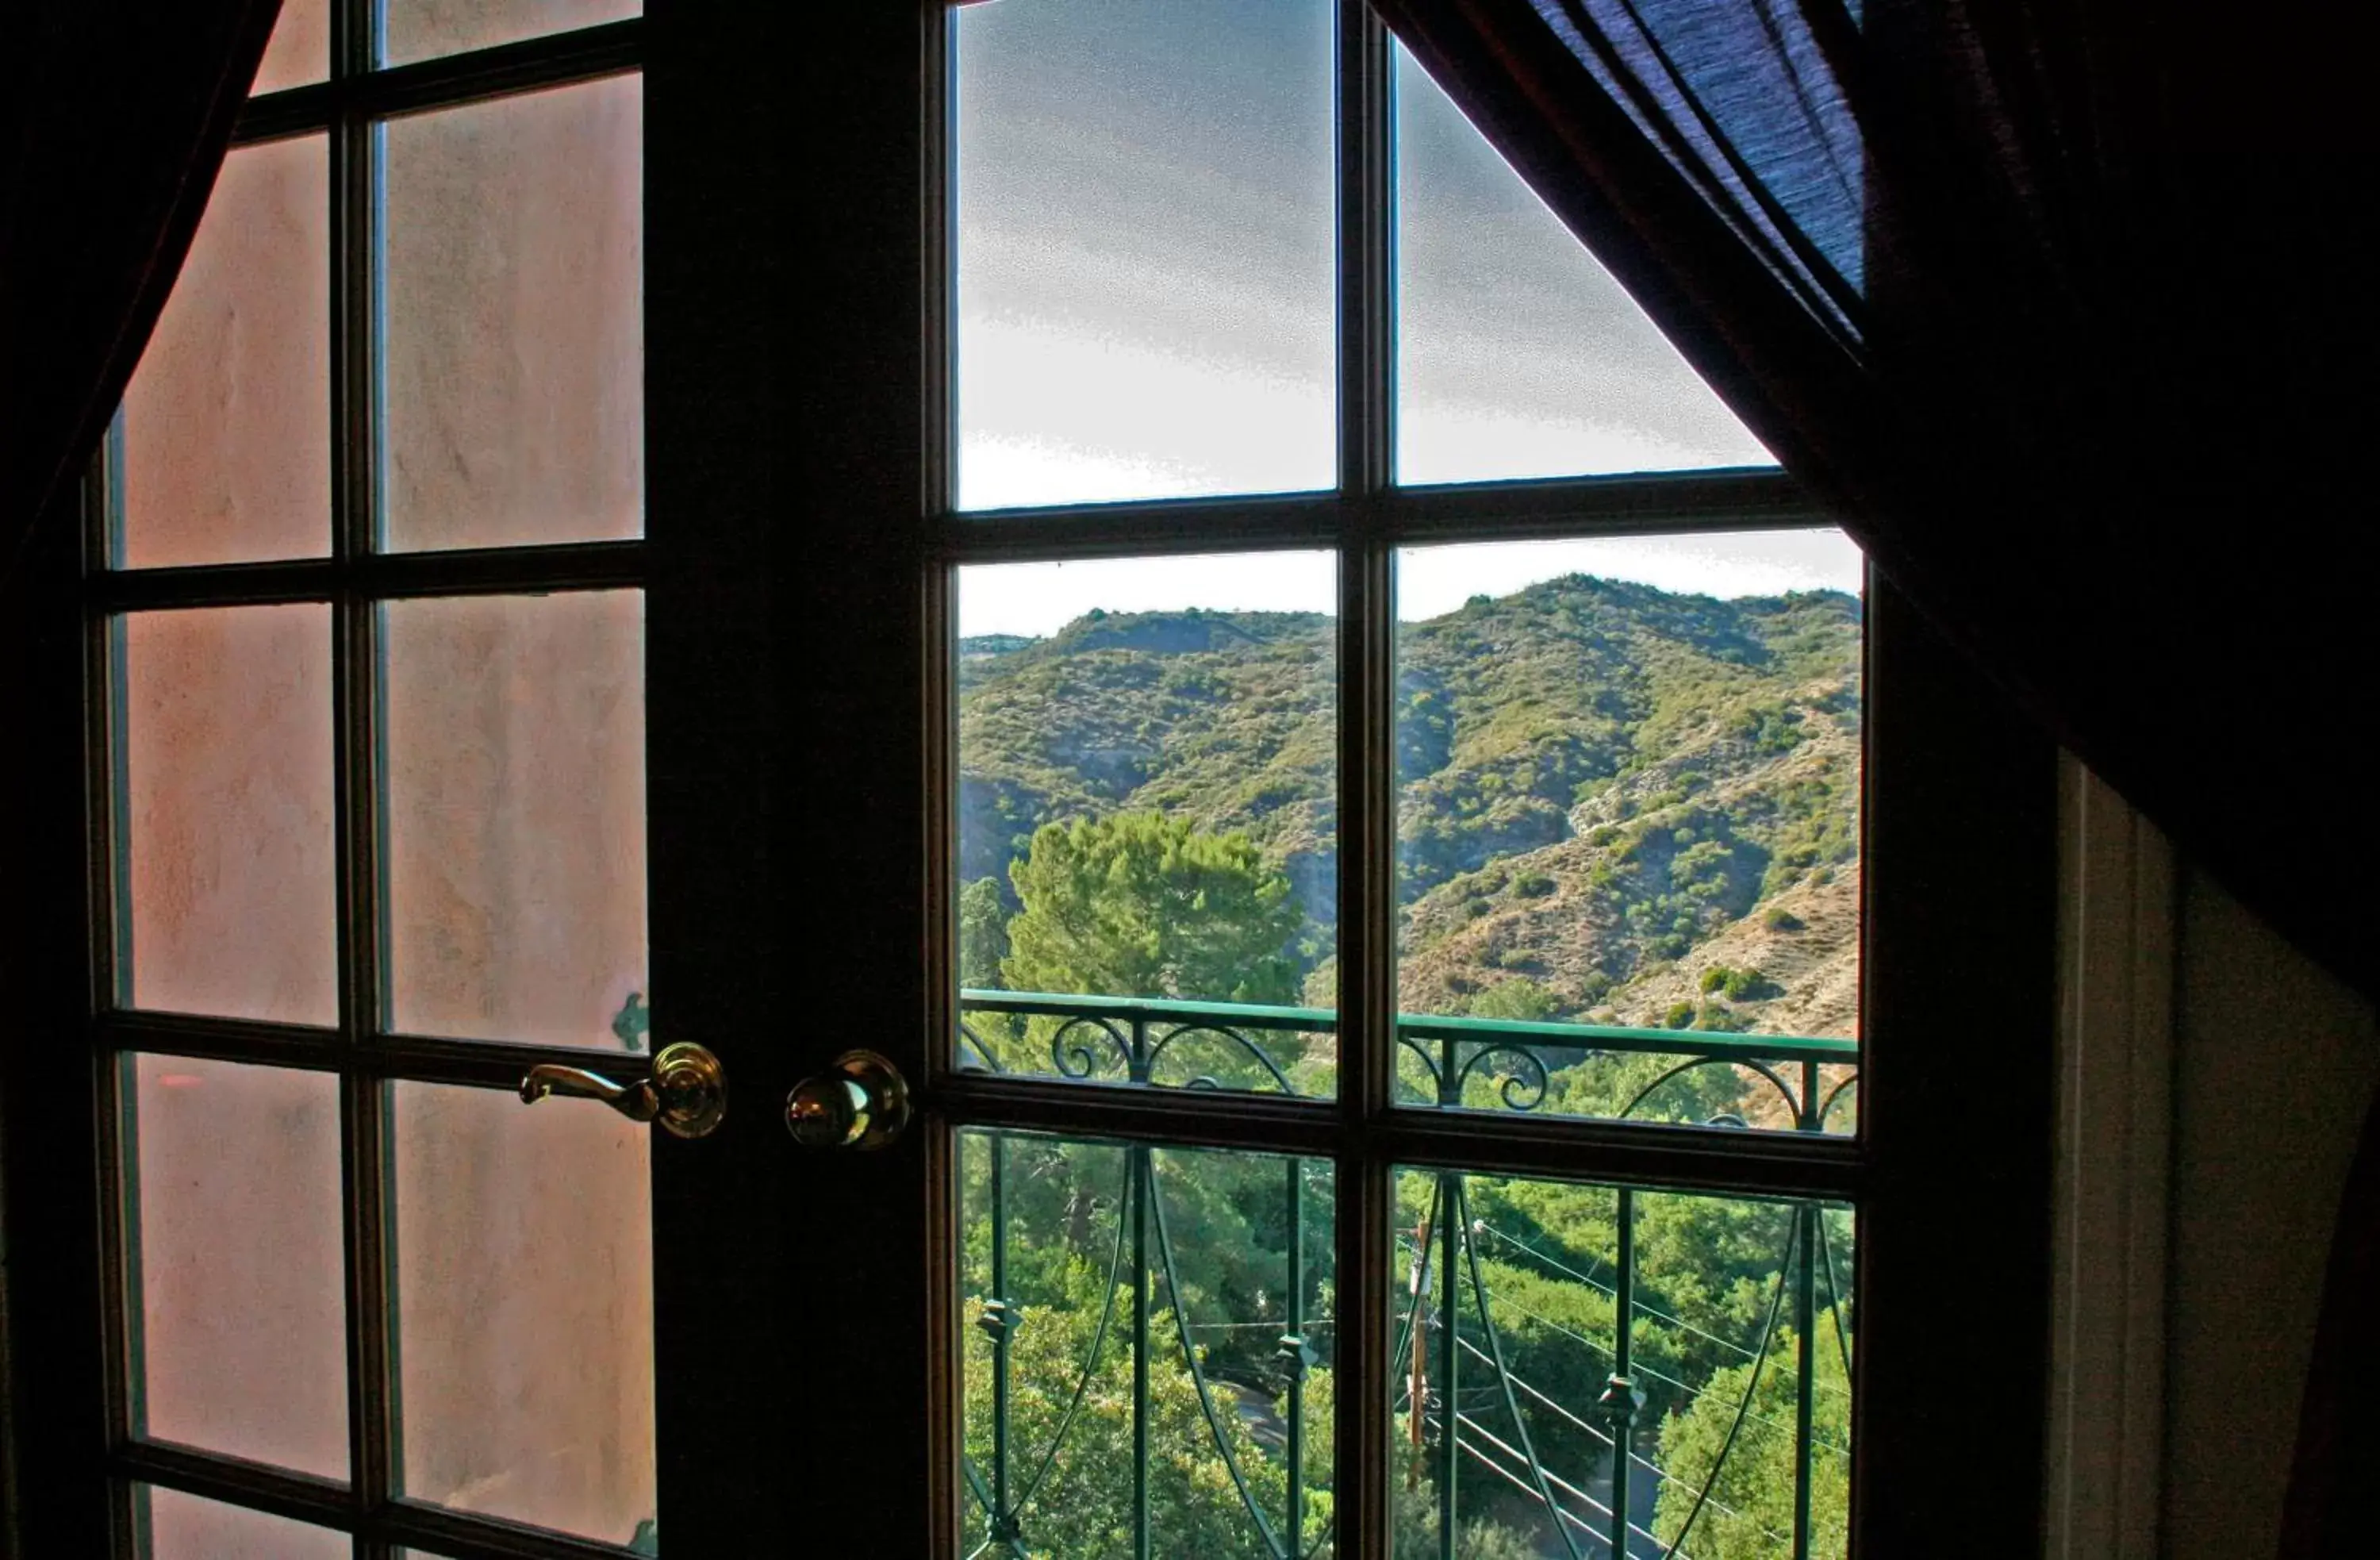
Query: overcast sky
[(1146, 299), (1145, 285)]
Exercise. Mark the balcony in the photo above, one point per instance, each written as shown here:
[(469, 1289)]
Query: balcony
[(1178, 1396)]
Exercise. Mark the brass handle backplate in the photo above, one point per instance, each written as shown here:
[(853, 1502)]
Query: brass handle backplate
[(860, 1102), (687, 1093)]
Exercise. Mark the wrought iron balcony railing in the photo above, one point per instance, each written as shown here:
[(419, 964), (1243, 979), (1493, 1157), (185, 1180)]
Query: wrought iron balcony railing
[(1447, 1062)]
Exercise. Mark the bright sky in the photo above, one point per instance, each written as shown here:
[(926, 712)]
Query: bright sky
[(1038, 599), (1146, 282), (1145, 292)]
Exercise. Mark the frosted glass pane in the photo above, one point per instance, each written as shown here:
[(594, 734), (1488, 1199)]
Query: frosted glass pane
[(227, 814), (1518, 355), (1144, 264), (236, 1243), (300, 49), (191, 1528), (517, 817), (226, 422), (420, 28), (515, 352), (525, 1309)]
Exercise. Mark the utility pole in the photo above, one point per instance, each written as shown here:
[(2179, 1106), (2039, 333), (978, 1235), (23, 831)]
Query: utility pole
[(1417, 1365)]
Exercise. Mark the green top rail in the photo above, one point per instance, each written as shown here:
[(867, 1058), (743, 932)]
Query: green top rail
[(1593, 1037)]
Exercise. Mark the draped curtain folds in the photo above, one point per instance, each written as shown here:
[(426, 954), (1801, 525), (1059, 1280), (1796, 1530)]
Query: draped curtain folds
[(113, 119), (2062, 305)]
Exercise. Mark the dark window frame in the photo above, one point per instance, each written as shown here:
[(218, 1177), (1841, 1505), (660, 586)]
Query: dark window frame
[(1949, 753)]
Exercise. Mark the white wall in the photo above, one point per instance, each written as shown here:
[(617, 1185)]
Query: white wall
[(2212, 1082)]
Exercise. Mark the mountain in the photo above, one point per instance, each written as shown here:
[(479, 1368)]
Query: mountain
[(1615, 804)]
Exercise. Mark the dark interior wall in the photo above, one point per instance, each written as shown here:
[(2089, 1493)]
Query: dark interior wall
[(2275, 1063)]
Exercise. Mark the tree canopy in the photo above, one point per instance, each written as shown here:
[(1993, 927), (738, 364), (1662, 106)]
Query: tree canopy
[(1143, 905)]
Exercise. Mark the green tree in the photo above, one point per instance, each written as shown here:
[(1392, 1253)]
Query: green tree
[(1750, 1510), (1519, 998), (1143, 905), (1413, 1533), (1083, 1504), (983, 934)]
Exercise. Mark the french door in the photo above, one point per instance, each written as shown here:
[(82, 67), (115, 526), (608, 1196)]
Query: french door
[(1383, 1174)]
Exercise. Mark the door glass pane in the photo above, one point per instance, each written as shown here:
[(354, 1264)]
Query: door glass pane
[(300, 50), (1170, 1298), (515, 350), (1148, 820), (234, 1237), (412, 29), (1510, 1394), (227, 423), (1628, 827), (225, 816), (1145, 269), (1517, 354), (524, 1309), (515, 807), (193, 1527)]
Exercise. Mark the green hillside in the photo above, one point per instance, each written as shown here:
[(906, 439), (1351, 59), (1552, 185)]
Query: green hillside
[(1615, 804)]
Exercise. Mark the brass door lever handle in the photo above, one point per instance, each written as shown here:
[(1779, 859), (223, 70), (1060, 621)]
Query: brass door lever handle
[(687, 1093)]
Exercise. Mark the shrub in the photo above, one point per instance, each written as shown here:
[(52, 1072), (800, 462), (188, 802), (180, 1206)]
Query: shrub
[(1779, 918), (1749, 986), (1679, 1015), (1533, 885)]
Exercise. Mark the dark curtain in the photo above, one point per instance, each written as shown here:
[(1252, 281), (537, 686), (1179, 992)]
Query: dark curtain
[(114, 118), (2065, 308)]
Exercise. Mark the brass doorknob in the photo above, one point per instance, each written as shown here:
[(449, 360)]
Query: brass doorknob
[(687, 1093), (860, 1102)]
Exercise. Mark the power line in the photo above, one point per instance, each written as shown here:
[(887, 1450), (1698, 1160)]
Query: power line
[(1658, 1375), (1654, 1311)]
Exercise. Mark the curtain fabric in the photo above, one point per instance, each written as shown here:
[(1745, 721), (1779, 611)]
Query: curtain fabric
[(114, 119), (2063, 305)]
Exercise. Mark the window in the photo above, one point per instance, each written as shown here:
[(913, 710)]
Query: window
[(1403, 792), (373, 756), (1266, 745)]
